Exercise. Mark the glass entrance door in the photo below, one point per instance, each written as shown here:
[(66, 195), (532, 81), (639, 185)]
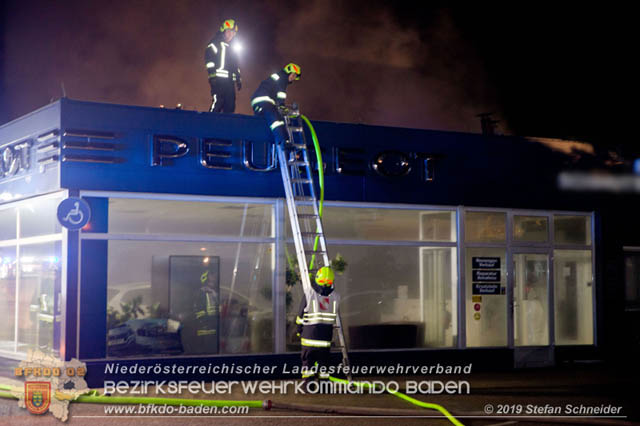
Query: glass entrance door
[(531, 299)]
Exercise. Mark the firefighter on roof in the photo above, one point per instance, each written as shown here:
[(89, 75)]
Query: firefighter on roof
[(317, 317), (222, 67), (272, 93)]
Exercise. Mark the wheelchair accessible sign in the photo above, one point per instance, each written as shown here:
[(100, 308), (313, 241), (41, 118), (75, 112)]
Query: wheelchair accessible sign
[(74, 213)]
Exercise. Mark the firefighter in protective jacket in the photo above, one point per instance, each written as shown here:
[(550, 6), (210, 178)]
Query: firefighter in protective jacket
[(317, 317), (222, 67), (271, 94)]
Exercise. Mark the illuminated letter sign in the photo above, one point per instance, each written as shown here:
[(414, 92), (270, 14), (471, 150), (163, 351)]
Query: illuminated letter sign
[(167, 147), (391, 164), (350, 161), (216, 154), (14, 158), (247, 154)]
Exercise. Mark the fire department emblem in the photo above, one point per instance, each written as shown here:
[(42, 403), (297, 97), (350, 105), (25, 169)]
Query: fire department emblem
[(37, 396)]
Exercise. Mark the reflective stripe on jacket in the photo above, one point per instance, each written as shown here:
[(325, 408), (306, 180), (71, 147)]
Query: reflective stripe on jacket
[(317, 317), (220, 60)]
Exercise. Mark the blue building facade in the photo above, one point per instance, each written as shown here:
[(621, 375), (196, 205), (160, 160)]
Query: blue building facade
[(175, 223)]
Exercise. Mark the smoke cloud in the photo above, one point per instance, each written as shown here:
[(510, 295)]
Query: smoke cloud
[(360, 64)]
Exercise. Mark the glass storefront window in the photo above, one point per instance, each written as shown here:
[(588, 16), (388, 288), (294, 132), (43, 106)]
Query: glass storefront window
[(534, 229), (531, 296), (438, 283), (40, 274), (573, 297), (8, 265), (353, 223), (7, 224), (572, 229), (485, 227), (190, 217), (438, 226), (189, 298), (38, 217), (486, 300), (394, 297)]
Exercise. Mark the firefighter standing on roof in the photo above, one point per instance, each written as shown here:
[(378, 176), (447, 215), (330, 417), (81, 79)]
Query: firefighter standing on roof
[(272, 93), (317, 317), (222, 67)]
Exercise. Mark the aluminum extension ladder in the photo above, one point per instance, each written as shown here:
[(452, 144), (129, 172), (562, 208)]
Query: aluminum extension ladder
[(304, 215)]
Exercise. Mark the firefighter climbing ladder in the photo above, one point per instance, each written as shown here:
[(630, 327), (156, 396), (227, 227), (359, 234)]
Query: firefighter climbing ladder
[(304, 213)]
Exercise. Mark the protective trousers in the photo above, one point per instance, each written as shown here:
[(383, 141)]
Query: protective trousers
[(223, 95), (310, 356), (274, 119)]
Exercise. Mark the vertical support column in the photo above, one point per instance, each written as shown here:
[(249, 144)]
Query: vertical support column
[(69, 291), (596, 235), (279, 278), (92, 270), (552, 285), (551, 301), (17, 292), (462, 302), (59, 317), (510, 282)]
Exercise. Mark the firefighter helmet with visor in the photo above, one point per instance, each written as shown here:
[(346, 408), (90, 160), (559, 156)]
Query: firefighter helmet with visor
[(293, 68), (325, 276), (229, 24)]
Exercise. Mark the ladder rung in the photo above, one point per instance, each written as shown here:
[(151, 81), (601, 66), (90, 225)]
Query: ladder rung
[(304, 198), (301, 180), (297, 163), (310, 234), (298, 145), (315, 252), (307, 216), (296, 129)]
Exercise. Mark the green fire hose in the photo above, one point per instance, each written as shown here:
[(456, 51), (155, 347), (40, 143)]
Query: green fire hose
[(400, 395), (94, 398), (316, 144)]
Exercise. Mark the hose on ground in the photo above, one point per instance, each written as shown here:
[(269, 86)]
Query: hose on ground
[(400, 395)]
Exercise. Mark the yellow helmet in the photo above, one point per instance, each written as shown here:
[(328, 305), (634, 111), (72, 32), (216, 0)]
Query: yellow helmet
[(325, 276), (229, 24), (291, 67)]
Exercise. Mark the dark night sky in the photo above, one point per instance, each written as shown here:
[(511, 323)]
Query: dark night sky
[(545, 70)]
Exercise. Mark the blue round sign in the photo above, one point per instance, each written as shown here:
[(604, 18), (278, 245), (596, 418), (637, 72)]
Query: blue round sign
[(74, 213)]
